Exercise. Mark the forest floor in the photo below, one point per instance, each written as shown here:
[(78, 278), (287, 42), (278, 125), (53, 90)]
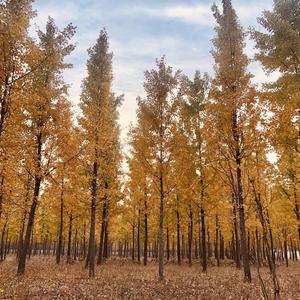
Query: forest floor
[(119, 279)]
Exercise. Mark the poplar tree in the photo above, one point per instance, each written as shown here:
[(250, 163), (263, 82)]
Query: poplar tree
[(100, 132), (279, 51), (193, 124), (156, 113), (16, 56), (232, 95), (40, 114)]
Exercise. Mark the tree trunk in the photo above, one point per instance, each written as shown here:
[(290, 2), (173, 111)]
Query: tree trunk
[(25, 248), (190, 236), (105, 245), (236, 234), (37, 184), (69, 238), (61, 222), (102, 232), (244, 250), (133, 240), (91, 256), (146, 229), (296, 204), (168, 244), (203, 241), (2, 241), (23, 221), (240, 199), (257, 248), (217, 242), (161, 229), (178, 238), (268, 251), (285, 248), (138, 236), (1, 192)]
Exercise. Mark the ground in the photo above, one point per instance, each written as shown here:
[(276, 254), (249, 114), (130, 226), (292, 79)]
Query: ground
[(119, 279)]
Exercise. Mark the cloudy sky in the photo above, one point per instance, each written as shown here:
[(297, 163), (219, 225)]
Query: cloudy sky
[(141, 31)]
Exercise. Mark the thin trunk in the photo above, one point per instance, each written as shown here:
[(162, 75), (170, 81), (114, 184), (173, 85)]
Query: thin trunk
[(257, 248), (133, 240), (161, 227), (244, 250), (2, 241), (37, 185), (168, 244), (236, 235), (268, 251), (1, 192), (138, 236), (146, 229), (69, 238), (296, 209), (91, 256), (102, 231), (61, 222), (105, 245), (217, 242), (285, 249), (203, 241), (178, 238), (190, 235), (240, 199)]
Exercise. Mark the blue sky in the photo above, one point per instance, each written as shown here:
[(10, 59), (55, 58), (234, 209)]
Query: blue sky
[(141, 31)]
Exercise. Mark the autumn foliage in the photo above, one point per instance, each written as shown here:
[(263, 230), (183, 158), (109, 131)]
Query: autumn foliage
[(197, 186)]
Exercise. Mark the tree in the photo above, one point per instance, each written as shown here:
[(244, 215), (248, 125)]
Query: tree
[(16, 54), (155, 113), (100, 131), (40, 114), (233, 105), (194, 119), (279, 51)]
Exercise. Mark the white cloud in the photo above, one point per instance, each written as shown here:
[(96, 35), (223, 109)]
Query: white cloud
[(63, 13), (200, 14), (138, 53)]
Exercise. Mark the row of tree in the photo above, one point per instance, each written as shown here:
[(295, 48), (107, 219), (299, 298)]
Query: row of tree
[(199, 181), (51, 168)]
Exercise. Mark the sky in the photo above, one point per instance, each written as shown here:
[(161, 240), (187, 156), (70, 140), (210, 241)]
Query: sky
[(141, 31)]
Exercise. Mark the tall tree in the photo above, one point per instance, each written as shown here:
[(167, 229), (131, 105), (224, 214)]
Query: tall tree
[(16, 54), (194, 126), (279, 51), (100, 131), (233, 101), (155, 113), (40, 114)]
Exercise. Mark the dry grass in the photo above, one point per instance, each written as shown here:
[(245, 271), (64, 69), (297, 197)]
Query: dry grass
[(124, 280)]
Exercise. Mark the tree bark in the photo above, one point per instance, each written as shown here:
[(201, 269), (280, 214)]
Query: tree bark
[(69, 238), (133, 240), (146, 229), (203, 241), (161, 227), (61, 222), (138, 236), (168, 244), (178, 238), (240, 199), (91, 256), (102, 231), (190, 235), (217, 242)]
